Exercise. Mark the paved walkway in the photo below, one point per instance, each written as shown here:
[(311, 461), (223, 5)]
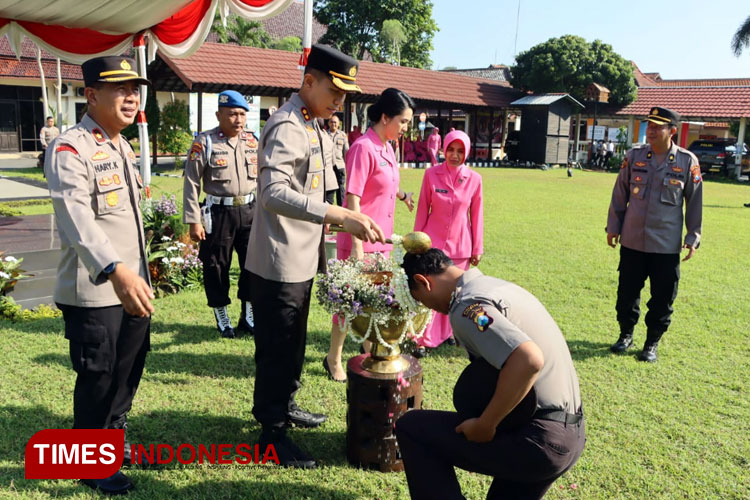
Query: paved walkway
[(14, 190), (28, 233)]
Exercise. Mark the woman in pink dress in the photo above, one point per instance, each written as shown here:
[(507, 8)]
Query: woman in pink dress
[(433, 145), (450, 211), (372, 187)]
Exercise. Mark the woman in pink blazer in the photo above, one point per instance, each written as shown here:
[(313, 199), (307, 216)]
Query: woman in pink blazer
[(372, 187), (450, 211)]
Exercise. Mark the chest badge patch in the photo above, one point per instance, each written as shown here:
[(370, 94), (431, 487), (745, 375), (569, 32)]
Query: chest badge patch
[(476, 313), (116, 179), (99, 156), (112, 199), (677, 169), (636, 190), (674, 182), (221, 162), (315, 181), (640, 164), (638, 178), (105, 181)]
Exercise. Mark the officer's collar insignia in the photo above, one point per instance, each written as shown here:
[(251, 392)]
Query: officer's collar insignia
[(221, 134), (671, 158), (252, 141), (677, 169), (243, 135), (131, 155), (99, 155), (305, 113), (98, 136), (476, 313), (649, 155)]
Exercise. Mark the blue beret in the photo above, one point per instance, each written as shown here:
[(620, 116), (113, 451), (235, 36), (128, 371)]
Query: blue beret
[(232, 99)]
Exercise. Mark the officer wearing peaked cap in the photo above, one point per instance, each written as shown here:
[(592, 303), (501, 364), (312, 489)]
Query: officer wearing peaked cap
[(287, 241), (102, 285), (656, 183), (225, 161)]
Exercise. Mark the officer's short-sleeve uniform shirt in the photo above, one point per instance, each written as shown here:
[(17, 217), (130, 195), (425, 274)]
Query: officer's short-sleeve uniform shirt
[(491, 318), (95, 191), (340, 148), (231, 169), (648, 200)]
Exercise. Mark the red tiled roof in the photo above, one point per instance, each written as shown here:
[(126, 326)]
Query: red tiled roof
[(711, 82), (249, 66), (27, 66), (693, 102)]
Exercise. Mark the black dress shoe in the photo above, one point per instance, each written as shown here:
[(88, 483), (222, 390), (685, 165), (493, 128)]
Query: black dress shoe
[(624, 343), (451, 341), (302, 418), (289, 454), (648, 353), (420, 352), (227, 333), (328, 369), (244, 327), (116, 484)]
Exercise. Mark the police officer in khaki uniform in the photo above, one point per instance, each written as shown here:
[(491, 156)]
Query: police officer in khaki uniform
[(46, 135), (656, 182), (102, 286), (340, 148), (287, 243), (225, 160), (508, 330)]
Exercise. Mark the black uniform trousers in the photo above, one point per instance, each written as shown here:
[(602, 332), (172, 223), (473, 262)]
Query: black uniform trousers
[(108, 350), (341, 179), (524, 462), (280, 311), (231, 230), (663, 272)]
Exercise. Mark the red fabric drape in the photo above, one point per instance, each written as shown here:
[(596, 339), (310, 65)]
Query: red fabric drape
[(179, 27), (74, 40)]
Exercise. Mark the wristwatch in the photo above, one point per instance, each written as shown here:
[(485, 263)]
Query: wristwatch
[(109, 269)]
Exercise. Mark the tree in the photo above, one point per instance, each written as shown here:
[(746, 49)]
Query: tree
[(288, 43), (152, 117), (354, 28), (174, 134), (241, 32), (570, 64), (741, 39), (393, 36)]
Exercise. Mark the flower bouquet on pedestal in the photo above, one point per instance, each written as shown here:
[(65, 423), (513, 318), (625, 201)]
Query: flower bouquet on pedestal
[(372, 301)]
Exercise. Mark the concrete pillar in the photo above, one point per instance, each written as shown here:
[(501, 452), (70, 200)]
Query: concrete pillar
[(739, 148), (631, 130)]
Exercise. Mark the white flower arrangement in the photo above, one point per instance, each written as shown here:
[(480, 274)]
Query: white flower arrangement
[(375, 289)]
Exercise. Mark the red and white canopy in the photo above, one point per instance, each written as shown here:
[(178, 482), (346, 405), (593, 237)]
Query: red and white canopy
[(77, 30)]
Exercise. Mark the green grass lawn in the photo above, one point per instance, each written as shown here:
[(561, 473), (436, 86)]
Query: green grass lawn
[(679, 428)]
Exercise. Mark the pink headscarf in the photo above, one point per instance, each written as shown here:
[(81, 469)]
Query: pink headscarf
[(457, 135)]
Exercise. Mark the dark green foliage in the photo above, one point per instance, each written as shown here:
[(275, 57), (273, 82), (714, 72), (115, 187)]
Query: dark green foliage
[(570, 64)]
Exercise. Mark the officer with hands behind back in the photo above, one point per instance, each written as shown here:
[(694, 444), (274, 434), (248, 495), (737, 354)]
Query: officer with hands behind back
[(655, 183), (102, 285), (225, 160), (287, 243)]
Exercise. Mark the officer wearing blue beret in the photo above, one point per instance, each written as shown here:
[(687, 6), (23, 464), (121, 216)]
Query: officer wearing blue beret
[(225, 161)]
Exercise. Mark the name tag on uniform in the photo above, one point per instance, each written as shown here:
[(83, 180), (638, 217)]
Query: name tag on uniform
[(441, 190)]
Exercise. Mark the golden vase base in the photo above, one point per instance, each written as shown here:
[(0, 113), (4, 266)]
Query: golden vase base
[(383, 360)]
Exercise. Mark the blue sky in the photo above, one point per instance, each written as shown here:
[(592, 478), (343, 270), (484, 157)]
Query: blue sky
[(681, 39)]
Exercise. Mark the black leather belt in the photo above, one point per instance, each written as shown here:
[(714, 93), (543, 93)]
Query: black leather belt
[(559, 416)]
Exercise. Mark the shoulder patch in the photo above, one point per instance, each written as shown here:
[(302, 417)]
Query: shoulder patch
[(624, 163), (66, 147), (476, 313), (197, 147), (695, 174)]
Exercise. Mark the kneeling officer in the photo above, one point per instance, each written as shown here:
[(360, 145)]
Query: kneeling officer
[(508, 330)]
